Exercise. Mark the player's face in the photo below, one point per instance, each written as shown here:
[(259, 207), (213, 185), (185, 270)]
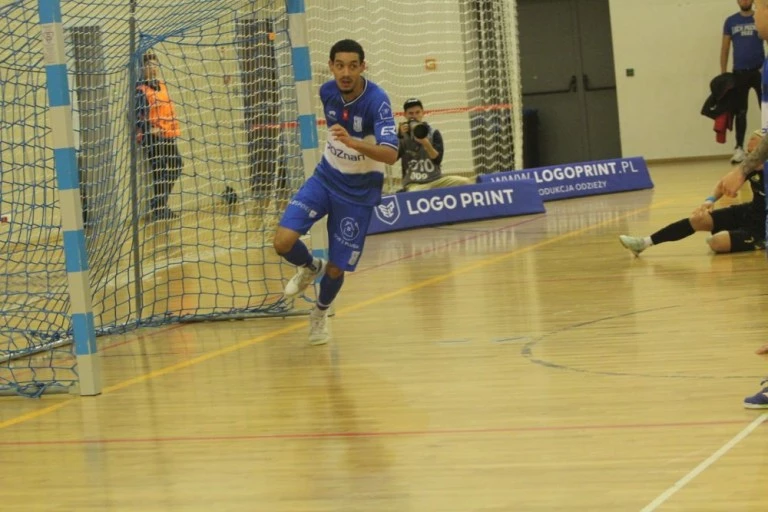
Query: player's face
[(761, 20), (347, 68), (745, 5), (414, 113)]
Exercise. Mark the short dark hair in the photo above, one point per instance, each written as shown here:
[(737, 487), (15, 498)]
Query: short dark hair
[(412, 102), (347, 46)]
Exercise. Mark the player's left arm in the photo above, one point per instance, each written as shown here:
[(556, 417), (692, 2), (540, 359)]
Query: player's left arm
[(755, 160), (384, 130), (381, 152)]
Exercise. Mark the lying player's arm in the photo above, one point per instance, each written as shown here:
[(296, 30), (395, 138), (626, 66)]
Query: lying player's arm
[(716, 195), (709, 203), (754, 140), (378, 152), (757, 157), (755, 160)]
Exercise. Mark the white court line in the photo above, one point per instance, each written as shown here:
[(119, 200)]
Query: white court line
[(655, 504)]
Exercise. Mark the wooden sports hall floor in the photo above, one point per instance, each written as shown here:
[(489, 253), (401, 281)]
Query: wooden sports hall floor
[(520, 364)]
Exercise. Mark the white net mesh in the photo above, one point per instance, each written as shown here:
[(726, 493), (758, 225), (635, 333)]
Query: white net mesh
[(453, 55), (227, 67)]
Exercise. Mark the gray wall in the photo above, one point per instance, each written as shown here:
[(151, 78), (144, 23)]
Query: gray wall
[(674, 48)]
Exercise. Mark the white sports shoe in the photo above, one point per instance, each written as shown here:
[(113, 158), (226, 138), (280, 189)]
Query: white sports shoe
[(738, 155), (303, 278), (633, 243), (318, 327)]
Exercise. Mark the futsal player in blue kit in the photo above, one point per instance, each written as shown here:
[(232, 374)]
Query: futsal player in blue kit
[(346, 184)]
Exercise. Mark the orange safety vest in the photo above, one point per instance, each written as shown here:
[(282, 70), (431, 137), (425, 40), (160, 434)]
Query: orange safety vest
[(161, 112)]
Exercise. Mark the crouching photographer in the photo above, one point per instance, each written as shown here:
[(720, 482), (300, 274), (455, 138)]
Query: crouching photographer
[(421, 152)]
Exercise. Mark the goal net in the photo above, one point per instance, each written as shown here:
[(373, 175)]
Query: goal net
[(167, 246), (459, 57)]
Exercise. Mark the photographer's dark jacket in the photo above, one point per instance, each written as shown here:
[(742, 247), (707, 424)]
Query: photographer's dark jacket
[(416, 164)]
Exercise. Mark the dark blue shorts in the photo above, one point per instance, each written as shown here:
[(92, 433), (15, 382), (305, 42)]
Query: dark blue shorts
[(347, 222)]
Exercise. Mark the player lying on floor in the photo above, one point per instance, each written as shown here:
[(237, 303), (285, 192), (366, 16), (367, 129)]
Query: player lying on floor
[(737, 228)]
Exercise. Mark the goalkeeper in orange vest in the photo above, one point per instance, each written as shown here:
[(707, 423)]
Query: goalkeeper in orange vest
[(157, 129)]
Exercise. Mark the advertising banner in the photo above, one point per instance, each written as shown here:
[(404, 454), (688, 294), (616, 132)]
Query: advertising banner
[(408, 210), (581, 179)]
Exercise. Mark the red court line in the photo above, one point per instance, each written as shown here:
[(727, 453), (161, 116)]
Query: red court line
[(437, 111), (394, 433)]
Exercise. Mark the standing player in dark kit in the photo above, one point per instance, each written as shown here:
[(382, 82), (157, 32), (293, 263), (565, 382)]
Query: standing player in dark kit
[(346, 184)]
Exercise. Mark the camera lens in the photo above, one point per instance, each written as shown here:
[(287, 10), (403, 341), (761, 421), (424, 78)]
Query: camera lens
[(420, 130)]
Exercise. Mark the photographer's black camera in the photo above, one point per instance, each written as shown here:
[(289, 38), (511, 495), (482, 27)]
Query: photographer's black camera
[(418, 130)]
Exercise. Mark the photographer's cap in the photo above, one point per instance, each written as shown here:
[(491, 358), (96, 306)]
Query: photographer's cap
[(412, 102)]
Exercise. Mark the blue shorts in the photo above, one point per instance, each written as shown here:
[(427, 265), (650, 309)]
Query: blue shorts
[(347, 222)]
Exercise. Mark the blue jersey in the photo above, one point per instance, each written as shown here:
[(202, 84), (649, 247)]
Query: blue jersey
[(345, 172), (748, 52), (764, 102)]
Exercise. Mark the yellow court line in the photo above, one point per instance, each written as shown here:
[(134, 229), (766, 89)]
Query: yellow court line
[(34, 414), (200, 359), (360, 305)]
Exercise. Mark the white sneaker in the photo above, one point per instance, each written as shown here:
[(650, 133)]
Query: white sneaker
[(738, 155), (318, 327), (633, 243), (303, 278)]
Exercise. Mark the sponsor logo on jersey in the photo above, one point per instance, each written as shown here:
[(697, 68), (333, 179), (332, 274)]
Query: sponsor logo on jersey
[(343, 155)]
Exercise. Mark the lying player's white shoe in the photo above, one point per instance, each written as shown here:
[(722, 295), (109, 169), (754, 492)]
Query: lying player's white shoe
[(303, 278), (318, 327)]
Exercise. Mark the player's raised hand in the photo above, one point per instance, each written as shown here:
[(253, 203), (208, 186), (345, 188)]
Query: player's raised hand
[(340, 134)]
